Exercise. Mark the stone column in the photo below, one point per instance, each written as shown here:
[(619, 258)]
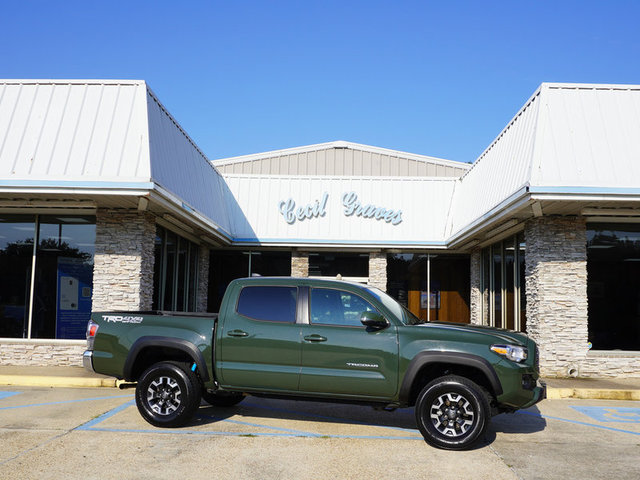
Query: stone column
[(475, 317), (124, 260), (202, 295), (299, 264), (556, 290), (378, 270)]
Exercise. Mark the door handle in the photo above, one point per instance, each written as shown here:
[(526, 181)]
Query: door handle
[(315, 338), (237, 333)]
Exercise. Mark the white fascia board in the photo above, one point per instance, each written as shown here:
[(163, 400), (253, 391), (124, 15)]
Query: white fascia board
[(583, 193), (340, 144), (516, 201), (182, 210)]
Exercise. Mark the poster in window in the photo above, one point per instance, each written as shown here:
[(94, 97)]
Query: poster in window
[(73, 306)]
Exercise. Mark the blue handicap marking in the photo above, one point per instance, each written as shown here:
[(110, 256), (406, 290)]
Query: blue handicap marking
[(611, 414), (8, 394)]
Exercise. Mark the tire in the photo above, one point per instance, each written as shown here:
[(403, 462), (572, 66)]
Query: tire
[(452, 412), (222, 399), (168, 394)]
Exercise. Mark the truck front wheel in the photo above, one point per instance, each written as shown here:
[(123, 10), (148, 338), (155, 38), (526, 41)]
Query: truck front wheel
[(452, 412), (168, 394)]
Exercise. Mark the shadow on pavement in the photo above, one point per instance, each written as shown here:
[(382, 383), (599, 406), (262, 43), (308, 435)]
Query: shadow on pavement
[(522, 421)]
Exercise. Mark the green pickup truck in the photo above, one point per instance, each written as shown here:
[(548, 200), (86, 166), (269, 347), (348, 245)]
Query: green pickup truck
[(317, 339)]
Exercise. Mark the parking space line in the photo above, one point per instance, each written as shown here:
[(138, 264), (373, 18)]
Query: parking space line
[(8, 394), (577, 422), (63, 402), (282, 429), (104, 416), (92, 425)]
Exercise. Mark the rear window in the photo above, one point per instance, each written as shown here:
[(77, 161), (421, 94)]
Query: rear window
[(272, 304)]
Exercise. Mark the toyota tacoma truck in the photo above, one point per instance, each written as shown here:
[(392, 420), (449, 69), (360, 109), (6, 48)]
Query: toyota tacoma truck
[(317, 339)]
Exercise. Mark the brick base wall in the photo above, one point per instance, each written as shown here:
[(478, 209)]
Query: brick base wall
[(42, 353)]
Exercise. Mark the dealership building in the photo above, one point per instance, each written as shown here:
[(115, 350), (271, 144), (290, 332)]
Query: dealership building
[(106, 203)]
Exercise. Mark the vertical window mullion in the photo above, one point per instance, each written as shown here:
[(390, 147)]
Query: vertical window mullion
[(33, 274), (516, 284)]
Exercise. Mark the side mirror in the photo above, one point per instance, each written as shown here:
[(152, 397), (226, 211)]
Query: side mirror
[(374, 320)]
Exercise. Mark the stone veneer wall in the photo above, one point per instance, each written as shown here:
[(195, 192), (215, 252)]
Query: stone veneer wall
[(475, 317), (203, 279), (556, 290), (378, 270), (124, 259), (299, 264), (58, 353)]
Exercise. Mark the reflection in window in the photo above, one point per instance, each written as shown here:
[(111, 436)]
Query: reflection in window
[(502, 284), (613, 288), (268, 303), (175, 272), (337, 307), (16, 253), (61, 302)]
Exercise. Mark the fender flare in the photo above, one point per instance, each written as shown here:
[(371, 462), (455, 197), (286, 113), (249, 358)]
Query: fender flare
[(454, 358), (175, 343)]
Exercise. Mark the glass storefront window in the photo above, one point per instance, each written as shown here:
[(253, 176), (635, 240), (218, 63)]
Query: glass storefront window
[(175, 272), (433, 287), (227, 265), (613, 289), (502, 284), (16, 254), (349, 265), (57, 304)]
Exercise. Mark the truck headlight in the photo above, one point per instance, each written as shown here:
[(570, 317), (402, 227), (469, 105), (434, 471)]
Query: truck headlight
[(514, 353)]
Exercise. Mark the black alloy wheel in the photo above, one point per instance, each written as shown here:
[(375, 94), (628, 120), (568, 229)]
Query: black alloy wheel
[(168, 394), (452, 412)]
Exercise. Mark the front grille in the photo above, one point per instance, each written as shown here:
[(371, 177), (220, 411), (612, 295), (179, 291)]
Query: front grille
[(536, 359)]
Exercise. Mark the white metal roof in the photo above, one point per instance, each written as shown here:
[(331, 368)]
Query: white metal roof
[(103, 134), (567, 139)]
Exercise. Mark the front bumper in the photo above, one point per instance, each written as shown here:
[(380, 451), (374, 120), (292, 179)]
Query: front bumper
[(539, 394), (87, 360)]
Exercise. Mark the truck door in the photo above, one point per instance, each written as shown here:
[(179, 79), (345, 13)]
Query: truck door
[(339, 355), (259, 346)]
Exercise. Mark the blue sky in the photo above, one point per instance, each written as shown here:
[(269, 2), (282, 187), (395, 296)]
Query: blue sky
[(436, 78)]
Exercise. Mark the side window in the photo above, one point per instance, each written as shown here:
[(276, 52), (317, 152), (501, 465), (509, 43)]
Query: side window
[(337, 307), (272, 304)]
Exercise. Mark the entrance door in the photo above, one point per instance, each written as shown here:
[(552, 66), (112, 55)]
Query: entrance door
[(339, 355)]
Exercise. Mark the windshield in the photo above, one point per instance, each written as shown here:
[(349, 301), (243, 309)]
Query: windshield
[(400, 312)]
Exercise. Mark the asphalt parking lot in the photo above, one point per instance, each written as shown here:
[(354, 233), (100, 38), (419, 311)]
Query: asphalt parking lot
[(54, 433)]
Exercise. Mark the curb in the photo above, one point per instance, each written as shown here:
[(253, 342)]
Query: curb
[(52, 381), (592, 394)]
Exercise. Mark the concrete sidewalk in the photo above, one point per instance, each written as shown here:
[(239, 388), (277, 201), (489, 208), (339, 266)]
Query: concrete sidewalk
[(587, 388)]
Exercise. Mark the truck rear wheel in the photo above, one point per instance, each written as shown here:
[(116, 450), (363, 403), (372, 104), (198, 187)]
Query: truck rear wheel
[(222, 399), (168, 394), (452, 412)]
